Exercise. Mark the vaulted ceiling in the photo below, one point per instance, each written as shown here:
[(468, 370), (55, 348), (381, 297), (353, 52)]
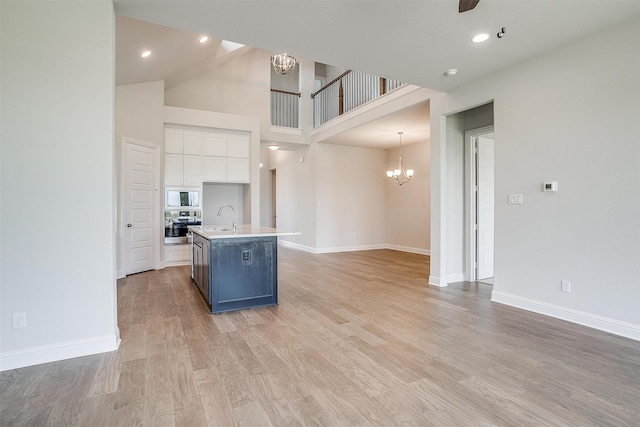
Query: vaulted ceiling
[(411, 41)]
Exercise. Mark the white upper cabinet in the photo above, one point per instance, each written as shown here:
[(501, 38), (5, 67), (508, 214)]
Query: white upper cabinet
[(173, 141), (194, 156), (214, 169), (192, 142), (238, 146), (192, 171), (238, 170), (215, 144), (174, 169)]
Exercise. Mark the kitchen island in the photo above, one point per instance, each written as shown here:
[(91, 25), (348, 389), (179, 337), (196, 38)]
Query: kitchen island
[(236, 268)]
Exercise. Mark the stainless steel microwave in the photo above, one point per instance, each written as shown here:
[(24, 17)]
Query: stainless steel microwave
[(183, 198)]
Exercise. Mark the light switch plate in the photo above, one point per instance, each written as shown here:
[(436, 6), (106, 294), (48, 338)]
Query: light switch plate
[(515, 199)]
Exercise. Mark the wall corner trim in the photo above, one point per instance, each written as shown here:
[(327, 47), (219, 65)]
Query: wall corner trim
[(616, 327), (59, 351), (437, 281)]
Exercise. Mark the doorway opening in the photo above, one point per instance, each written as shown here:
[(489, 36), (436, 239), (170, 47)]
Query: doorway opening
[(480, 201)]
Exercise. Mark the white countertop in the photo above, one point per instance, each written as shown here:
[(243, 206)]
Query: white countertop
[(242, 230)]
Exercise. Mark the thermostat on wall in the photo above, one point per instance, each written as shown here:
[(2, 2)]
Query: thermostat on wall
[(550, 186)]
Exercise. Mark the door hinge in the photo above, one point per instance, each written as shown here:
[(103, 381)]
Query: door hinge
[(475, 227)]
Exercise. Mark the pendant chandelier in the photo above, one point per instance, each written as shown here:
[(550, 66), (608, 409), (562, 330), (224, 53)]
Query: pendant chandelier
[(401, 176), (283, 63)]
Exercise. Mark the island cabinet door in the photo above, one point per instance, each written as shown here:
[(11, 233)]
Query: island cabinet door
[(201, 265), (243, 273)]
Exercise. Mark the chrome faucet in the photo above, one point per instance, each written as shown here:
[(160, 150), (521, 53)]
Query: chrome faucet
[(232, 210)]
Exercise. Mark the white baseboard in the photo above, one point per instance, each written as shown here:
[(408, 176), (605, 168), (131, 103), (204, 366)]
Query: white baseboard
[(616, 327), (119, 274), (409, 249), (60, 351), (353, 248), (437, 281), (349, 249), (296, 246), (176, 263), (457, 277)]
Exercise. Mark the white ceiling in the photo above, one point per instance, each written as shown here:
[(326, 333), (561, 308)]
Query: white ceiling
[(383, 133), (411, 41), (176, 57)]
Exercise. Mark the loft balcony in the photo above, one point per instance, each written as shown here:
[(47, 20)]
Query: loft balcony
[(346, 92), (349, 90)]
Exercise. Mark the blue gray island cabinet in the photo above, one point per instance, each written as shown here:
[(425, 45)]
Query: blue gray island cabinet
[(236, 269)]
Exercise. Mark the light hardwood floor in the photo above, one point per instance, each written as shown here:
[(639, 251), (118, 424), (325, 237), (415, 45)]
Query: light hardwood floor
[(359, 339)]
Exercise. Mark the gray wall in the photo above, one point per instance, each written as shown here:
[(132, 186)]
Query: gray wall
[(569, 115), (57, 183)]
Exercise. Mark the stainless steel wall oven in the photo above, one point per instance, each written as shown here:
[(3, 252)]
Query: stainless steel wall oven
[(176, 225)]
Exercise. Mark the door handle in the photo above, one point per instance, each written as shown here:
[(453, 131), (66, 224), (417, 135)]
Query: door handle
[(129, 225)]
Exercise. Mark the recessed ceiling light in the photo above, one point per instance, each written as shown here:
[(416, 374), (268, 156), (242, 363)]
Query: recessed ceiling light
[(203, 39), (146, 53), (274, 147), (479, 38), (451, 72)]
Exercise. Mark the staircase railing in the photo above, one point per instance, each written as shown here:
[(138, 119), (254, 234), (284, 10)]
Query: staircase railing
[(284, 108), (346, 92)]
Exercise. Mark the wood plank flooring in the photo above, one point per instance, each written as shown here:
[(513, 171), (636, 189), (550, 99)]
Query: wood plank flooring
[(359, 339)]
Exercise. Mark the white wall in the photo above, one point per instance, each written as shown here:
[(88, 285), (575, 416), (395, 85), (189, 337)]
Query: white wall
[(351, 197), (57, 181), (240, 86), (138, 116), (296, 193), (214, 195), (569, 115), (407, 206), (243, 86)]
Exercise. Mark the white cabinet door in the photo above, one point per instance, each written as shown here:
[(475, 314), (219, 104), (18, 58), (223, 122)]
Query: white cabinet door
[(192, 142), (173, 141), (238, 146), (238, 170), (173, 169), (215, 144), (214, 169), (192, 171)]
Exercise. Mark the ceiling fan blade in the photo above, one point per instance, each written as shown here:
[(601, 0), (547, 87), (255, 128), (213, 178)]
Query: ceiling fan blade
[(466, 5)]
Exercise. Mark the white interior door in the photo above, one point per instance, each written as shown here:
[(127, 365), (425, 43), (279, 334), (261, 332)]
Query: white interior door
[(485, 207), (139, 208)]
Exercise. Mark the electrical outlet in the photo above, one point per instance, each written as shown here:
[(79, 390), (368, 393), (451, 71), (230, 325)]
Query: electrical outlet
[(19, 320), (565, 286)]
